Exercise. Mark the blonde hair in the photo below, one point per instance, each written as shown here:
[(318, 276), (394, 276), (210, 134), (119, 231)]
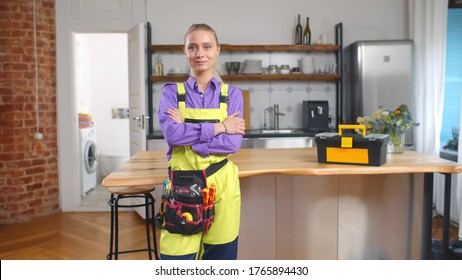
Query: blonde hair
[(206, 27)]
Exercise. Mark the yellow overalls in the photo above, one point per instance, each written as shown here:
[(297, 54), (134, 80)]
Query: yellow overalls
[(225, 228)]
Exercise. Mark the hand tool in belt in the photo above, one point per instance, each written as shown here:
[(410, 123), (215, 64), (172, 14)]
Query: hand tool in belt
[(209, 206)]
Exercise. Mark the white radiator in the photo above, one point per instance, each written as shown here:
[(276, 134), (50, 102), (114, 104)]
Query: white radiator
[(456, 191), (456, 198), (439, 197)]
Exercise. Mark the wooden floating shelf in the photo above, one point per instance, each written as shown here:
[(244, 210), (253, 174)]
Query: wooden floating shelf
[(255, 77), (267, 48)]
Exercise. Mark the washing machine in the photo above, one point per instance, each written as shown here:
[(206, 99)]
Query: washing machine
[(88, 159)]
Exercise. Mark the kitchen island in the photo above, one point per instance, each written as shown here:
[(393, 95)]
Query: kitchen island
[(296, 208)]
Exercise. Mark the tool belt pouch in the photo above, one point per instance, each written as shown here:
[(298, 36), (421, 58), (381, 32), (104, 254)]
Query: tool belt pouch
[(184, 205)]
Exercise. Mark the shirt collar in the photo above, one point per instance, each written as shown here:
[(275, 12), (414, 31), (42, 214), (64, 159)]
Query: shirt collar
[(191, 82)]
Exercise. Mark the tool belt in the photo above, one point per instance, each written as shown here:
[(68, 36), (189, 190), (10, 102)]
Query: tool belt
[(188, 204)]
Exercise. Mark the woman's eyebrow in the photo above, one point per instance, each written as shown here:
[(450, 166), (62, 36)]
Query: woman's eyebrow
[(201, 44)]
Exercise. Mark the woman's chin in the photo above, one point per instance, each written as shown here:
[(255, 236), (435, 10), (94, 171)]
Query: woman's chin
[(201, 70)]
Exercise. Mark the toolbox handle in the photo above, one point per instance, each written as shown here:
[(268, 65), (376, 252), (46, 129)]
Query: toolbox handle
[(351, 126)]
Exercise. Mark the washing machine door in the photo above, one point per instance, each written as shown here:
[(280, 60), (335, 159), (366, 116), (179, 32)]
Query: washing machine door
[(89, 157)]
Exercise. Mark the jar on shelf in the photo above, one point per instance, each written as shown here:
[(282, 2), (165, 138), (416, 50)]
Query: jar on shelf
[(285, 69), (273, 69)]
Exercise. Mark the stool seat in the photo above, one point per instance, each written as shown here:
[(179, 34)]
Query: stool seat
[(121, 193), (131, 190)]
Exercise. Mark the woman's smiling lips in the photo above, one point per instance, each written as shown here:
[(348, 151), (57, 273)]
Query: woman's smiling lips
[(200, 62)]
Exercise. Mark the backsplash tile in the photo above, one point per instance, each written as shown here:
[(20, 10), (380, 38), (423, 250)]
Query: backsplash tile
[(289, 96)]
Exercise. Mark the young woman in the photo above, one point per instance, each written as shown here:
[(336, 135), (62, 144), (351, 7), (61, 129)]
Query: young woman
[(202, 122)]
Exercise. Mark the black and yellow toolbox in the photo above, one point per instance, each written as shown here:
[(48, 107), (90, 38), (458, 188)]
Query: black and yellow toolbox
[(352, 148)]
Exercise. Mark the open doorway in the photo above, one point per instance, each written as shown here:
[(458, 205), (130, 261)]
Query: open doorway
[(101, 87)]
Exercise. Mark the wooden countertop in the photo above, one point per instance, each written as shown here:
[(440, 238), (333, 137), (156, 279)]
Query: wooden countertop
[(149, 168)]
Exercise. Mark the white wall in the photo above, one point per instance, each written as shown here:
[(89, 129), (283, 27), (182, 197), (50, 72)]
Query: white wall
[(273, 22)]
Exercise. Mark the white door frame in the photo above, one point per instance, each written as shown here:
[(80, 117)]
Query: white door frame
[(71, 18)]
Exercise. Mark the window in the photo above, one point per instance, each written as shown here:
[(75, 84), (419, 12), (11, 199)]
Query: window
[(453, 78)]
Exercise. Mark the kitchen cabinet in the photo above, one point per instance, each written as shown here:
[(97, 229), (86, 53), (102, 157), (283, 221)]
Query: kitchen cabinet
[(336, 49)]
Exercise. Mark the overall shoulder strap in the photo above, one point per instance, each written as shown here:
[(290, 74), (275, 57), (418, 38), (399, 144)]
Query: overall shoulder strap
[(181, 95), (224, 96)]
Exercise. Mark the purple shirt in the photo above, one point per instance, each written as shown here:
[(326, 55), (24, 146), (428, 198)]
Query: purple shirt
[(199, 135)]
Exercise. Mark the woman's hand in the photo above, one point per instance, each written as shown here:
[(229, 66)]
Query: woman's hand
[(175, 115), (231, 125)]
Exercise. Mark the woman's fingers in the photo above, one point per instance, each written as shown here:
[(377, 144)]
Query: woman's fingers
[(175, 115)]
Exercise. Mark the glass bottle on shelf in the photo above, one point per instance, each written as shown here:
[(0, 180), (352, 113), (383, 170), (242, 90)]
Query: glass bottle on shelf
[(298, 32), (159, 70), (307, 33)]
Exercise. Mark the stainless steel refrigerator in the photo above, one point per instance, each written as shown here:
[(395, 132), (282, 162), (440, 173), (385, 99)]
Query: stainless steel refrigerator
[(378, 73)]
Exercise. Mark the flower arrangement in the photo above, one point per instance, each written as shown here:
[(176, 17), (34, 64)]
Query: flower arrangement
[(391, 122), (388, 121)]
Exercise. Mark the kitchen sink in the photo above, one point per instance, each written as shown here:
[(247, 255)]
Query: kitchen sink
[(278, 142), (282, 131)]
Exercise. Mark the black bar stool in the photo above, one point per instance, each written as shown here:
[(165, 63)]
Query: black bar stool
[(122, 193)]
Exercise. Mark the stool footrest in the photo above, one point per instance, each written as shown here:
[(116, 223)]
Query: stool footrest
[(109, 256), (149, 203)]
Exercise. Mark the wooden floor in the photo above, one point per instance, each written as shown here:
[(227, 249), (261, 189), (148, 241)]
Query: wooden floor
[(84, 236), (71, 236), (438, 229)]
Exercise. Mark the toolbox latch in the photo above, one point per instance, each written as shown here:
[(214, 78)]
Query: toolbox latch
[(347, 142)]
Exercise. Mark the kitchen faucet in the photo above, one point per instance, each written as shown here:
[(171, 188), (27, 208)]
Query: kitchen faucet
[(276, 116), (264, 118)]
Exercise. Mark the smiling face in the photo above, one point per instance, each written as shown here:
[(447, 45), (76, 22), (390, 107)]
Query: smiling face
[(202, 50)]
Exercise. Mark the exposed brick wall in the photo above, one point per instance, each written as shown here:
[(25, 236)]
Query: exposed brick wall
[(28, 168)]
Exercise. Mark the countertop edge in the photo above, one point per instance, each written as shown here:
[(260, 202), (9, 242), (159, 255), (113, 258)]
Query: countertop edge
[(252, 134), (149, 167)]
